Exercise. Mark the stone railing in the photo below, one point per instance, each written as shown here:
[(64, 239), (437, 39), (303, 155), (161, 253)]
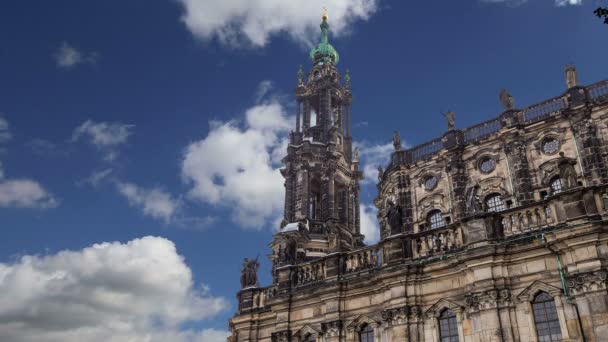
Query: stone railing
[(439, 240), (270, 291), (598, 91), (482, 130), (543, 110), (367, 258), (310, 272), (522, 220)]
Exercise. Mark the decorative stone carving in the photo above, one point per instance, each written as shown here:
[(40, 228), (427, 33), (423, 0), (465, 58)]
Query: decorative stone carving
[(567, 173), (397, 141), (331, 329), (450, 118), (473, 204), (394, 216), (281, 336), (396, 316), (571, 76), (506, 99), (249, 273), (587, 282), (490, 299)]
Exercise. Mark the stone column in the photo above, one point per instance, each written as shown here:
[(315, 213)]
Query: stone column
[(405, 201), (347, 121), (298, 114), (302, 194), (331, 195), (306, 123), (289, 193), (357, 209), (589, 148), (520, 169), (457, 172)]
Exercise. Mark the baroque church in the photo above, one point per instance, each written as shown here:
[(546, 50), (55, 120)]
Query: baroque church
[(495, 232)]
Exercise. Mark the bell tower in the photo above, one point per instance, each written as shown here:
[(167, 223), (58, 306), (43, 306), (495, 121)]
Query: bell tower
[(321, 170)]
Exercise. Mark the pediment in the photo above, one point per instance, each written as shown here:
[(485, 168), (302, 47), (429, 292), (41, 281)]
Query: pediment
[(436, 309), (533, 289), (308, 329), (373, 320)]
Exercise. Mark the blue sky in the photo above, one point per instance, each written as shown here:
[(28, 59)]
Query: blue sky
[(123, 121)]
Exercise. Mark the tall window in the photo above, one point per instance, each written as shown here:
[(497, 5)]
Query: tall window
[(366, 334), (494, 203), (545, 318), (448, 326), (556, 185), (435, 219)]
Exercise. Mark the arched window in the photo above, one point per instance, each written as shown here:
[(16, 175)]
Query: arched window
[(435, 219), (545, 318), (366, 334), (448, 326), (494, 203), (556, 185)]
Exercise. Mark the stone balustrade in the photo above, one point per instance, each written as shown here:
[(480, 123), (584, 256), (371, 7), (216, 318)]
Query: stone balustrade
[(307, 273), (522, 220), (363, 259), (436, 241)]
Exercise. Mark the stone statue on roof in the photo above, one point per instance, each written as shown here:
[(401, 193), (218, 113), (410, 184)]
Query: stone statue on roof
[(451, 119), (506, 99), (397, 141), (571, 76)]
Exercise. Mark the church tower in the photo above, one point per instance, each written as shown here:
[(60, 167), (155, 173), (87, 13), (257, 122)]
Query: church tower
[(321, 171)]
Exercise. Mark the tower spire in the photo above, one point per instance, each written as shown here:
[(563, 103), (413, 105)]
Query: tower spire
[(324, 52)]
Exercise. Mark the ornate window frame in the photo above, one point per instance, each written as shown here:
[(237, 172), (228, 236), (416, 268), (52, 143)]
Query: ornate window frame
[(545, 139), (526, 297), (352, 330), (300, 335), (482, 159), (434, 313), (556, 133)]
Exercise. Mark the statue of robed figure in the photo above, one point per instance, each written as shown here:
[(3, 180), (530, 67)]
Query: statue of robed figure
[(473, 201), (249, 273), (394, 216), (567, 173)]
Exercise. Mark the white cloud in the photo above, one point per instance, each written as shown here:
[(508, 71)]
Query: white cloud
[(372, 156), (515, 3), (25, 193), (21, 193), (68, 56), (369, 223), (106, 136), (561, 3), (155, 202), (212, 335), (140, 291), (96, 177), (237, 164), (5, 134), (253, 22)]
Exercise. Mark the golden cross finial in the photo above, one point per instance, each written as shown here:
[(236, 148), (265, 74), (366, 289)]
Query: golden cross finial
[(324, 13)]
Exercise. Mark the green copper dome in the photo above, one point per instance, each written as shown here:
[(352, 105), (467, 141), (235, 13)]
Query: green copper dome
[(324, 52)]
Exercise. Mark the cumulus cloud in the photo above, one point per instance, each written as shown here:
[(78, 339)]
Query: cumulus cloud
[(371, 156), (237, 164), (369, 223), (25, 193), (253, 22), (67, 56), (154, 202), (21, 193), (140, 291), (515, 3), (106, 136)]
